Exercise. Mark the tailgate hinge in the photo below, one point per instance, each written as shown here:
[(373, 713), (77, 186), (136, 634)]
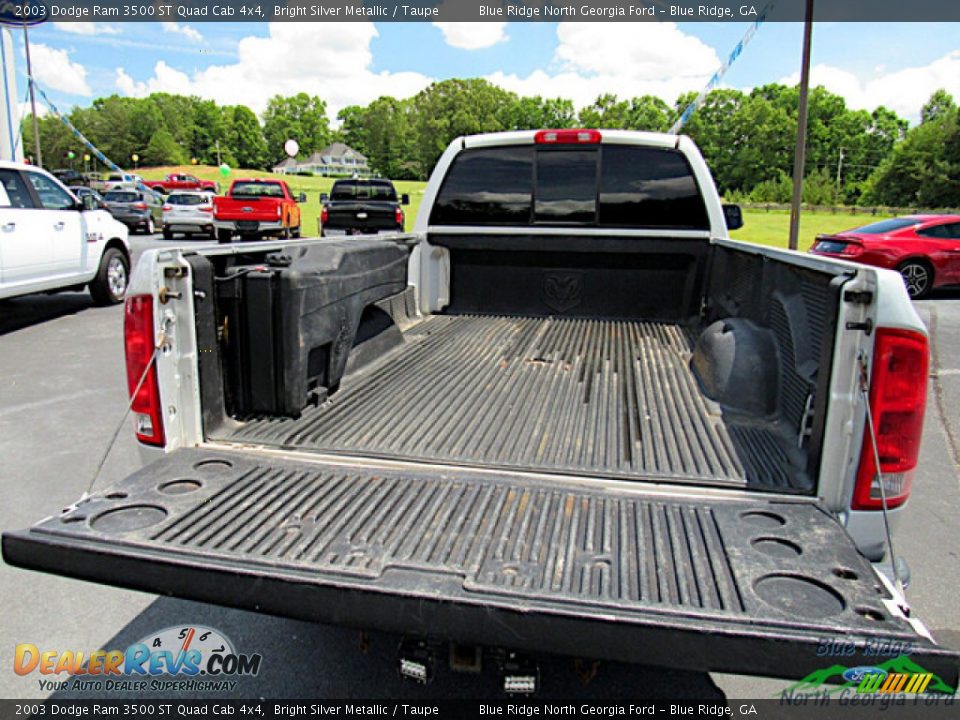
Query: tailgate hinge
[(858, 297)]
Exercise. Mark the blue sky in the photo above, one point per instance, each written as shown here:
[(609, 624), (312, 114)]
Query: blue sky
[(897, 65)]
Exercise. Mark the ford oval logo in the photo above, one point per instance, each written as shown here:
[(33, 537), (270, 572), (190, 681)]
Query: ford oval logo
[(856, 674), (246, 209)]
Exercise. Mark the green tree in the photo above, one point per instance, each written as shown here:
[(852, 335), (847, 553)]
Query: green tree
[(535, 113), (450, 108), (301, 117), (245, 138), (940, 105), (163, 149)]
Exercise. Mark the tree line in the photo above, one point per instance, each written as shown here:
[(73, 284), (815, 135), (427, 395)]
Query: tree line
[(853, 156)]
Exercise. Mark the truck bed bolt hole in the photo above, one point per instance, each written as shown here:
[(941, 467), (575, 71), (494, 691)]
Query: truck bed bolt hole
[(845, 573)]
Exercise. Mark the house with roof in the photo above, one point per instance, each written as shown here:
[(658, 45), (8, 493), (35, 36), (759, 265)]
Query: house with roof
[(287, 167), (336, 159)]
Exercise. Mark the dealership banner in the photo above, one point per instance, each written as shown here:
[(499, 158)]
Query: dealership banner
[(33, 11)]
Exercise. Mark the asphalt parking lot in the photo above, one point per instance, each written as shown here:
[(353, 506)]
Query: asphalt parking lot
[(63, 391)]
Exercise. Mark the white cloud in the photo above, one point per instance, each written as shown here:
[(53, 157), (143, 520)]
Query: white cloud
[(472, 35), (87, 28), (330, 60), (904, 91), (627, 59), (185, 30), (53, 69)]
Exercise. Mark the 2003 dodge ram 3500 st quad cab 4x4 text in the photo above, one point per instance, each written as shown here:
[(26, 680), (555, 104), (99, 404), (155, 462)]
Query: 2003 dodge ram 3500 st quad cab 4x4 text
[(566, 415)]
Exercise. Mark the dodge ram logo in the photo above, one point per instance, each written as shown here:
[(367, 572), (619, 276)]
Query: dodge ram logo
[(562, 290)]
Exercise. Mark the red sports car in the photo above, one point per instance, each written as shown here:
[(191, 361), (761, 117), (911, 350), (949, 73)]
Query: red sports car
[(924, 248)]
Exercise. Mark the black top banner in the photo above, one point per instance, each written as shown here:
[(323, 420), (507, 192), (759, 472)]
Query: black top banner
[(34, 11)]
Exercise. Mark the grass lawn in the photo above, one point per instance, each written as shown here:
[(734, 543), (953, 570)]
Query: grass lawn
[(765, 228), (773, 228)]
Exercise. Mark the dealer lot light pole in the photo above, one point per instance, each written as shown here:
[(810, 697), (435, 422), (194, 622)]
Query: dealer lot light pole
[(800, 156)]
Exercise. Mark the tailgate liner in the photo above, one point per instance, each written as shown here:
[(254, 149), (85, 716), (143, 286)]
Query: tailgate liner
[(738, 585), (581, 396)]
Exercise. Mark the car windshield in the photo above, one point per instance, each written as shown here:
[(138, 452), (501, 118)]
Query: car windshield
[(187, 200), (120, 196), (886, 226), (257, 189), (363, 191)]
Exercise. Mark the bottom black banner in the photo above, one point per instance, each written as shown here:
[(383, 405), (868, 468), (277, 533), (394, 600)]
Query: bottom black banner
[(852, 707)]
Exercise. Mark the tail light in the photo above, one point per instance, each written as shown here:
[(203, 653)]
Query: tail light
[(279, 210), (324, 215), (139, 340), (398, 216), (167, 208), (566, 137), (140, 206), (205, 208), (852, 249), (898, 398)]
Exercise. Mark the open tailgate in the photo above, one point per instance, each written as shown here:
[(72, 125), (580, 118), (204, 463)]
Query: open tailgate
[(721, 582)]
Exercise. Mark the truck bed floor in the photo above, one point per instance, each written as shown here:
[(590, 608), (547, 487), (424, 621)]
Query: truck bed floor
[(608, 398)]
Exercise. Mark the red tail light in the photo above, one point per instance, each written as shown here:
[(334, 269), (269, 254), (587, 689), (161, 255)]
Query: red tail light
[(852, 249), (167, 208), (140, 206), (398, 216), (205, 208), (898, 398), (562, 137), (324, 215), (139, 340)]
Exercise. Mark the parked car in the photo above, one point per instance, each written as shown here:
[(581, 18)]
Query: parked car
[(82, 191), (255, 208), (924, 249), (181, 182), (50, 240), (121, 181), (566, 415), (361, 207), (70, 177), (136, 209), (190, 213)]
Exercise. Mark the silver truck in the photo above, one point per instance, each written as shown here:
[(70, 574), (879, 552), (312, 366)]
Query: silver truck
[(567, 414)]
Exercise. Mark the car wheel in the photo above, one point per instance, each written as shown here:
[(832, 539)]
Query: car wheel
[(167, 234), (917, 277), (110, 283), (151, 228), (224, 237)]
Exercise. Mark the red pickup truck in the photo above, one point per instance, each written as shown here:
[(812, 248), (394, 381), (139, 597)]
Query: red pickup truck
[(255, 208), (181, 182)]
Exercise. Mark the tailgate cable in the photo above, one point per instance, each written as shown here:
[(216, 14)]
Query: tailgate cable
[(161, 339), (865, 390)]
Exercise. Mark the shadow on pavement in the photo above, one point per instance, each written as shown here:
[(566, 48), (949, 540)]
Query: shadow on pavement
[(306, 660), (22, 312)]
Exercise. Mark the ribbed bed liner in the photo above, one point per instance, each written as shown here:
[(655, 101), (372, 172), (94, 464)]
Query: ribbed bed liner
[(601, 398)]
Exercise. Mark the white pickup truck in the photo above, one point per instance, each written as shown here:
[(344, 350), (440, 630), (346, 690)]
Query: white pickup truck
[(566, 415), (51, 241)]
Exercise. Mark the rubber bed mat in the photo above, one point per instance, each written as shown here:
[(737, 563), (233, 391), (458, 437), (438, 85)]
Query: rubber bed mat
[(592, 397)]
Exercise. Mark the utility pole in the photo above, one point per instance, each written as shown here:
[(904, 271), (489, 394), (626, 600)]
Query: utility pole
[(800, 157), (218, 153), (33, 98), (839, 168)]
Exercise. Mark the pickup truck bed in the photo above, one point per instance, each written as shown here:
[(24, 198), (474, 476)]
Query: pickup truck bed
[(610, 398), (621, 571)]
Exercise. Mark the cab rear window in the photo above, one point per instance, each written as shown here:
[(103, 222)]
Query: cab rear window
[(600, 186)]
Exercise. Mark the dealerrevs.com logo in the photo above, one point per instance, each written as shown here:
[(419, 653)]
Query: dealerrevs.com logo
[(187, 658)]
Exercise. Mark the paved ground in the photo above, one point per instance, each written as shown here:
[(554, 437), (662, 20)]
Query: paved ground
[(62, 392)]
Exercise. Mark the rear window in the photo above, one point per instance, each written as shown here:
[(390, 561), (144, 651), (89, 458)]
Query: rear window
[(886, 226), (607, 186), (120, 196), (187, 200), (363, 191), (274, 190)]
